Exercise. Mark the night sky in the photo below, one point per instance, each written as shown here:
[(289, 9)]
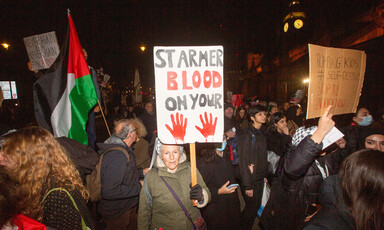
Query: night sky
[(112, 31)]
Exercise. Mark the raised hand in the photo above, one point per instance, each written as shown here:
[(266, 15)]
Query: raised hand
[(324, 126), (209, 127), (179, 127)]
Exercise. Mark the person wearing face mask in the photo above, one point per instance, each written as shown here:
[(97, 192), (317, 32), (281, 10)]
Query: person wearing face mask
[(353, 134), (362, 117)]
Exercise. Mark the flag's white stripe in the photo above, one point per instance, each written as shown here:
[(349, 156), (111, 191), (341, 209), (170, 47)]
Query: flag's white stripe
[(61, 117)]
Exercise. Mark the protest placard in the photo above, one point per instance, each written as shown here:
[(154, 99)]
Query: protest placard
[(237, 100), (42, 49), (336, 78), (189, 93)]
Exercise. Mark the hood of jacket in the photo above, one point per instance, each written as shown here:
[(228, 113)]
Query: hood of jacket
[(159, 163), (111, 142)]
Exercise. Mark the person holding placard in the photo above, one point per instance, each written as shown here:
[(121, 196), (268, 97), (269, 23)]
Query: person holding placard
[(305, 168), (166, 196)]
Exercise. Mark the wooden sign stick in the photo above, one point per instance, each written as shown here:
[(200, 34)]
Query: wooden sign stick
[(192, 148)]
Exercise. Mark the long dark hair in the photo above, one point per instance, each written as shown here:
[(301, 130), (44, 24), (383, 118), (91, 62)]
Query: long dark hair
[(276, 117), (237, 117), (209, 155), (362, 180)]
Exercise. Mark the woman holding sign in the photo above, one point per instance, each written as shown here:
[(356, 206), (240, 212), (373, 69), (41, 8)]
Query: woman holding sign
[(166, 197)]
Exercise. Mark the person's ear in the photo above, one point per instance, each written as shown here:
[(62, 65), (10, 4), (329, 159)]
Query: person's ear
[(355, 120)]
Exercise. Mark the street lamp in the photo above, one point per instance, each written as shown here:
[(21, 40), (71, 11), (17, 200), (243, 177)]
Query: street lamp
[(142, 48), (306, 81), (5, 45)]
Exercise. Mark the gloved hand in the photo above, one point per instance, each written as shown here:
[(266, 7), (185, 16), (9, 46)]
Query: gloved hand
[(196, 192)]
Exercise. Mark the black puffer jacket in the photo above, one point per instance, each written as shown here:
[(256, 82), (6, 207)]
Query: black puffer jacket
[(300, 167), (335, 214)]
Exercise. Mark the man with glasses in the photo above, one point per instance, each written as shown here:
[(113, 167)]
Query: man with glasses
[(120, 185)]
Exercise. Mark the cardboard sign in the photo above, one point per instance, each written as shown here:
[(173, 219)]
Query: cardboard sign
[(189, 93), (336, 78), (42, 49), (237, 100)]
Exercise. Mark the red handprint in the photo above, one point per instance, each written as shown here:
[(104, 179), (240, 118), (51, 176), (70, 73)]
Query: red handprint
[(209, 128), (179, 127)]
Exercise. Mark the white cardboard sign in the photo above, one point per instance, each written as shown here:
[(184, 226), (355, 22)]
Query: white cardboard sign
[(189, 93), (42, 49)]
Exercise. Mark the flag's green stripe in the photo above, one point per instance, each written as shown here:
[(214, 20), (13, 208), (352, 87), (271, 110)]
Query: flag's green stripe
[(83, 97)]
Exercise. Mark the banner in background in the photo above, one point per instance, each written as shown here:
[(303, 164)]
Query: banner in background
[(237, 100)]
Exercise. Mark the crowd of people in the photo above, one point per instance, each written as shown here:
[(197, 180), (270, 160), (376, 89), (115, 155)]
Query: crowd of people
[(145, 184)]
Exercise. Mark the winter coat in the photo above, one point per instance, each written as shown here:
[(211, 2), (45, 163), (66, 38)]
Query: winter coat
[(334, 214), (120, 186), (278, 142), (166, 212), (302, 176), (149, 122), (252, 154), (223, 212), (140, 149)]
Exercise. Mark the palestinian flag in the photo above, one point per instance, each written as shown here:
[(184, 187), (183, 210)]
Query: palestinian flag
[(65, 93)]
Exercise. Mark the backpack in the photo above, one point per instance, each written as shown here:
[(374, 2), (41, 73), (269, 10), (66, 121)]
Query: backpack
[(93, 181), (83, 156), (233, 151), (253, 140), (272, 157)]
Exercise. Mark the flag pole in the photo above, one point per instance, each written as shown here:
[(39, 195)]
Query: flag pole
[(102, 113)]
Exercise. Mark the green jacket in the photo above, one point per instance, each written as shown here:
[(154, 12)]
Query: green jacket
[(166, 211)]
